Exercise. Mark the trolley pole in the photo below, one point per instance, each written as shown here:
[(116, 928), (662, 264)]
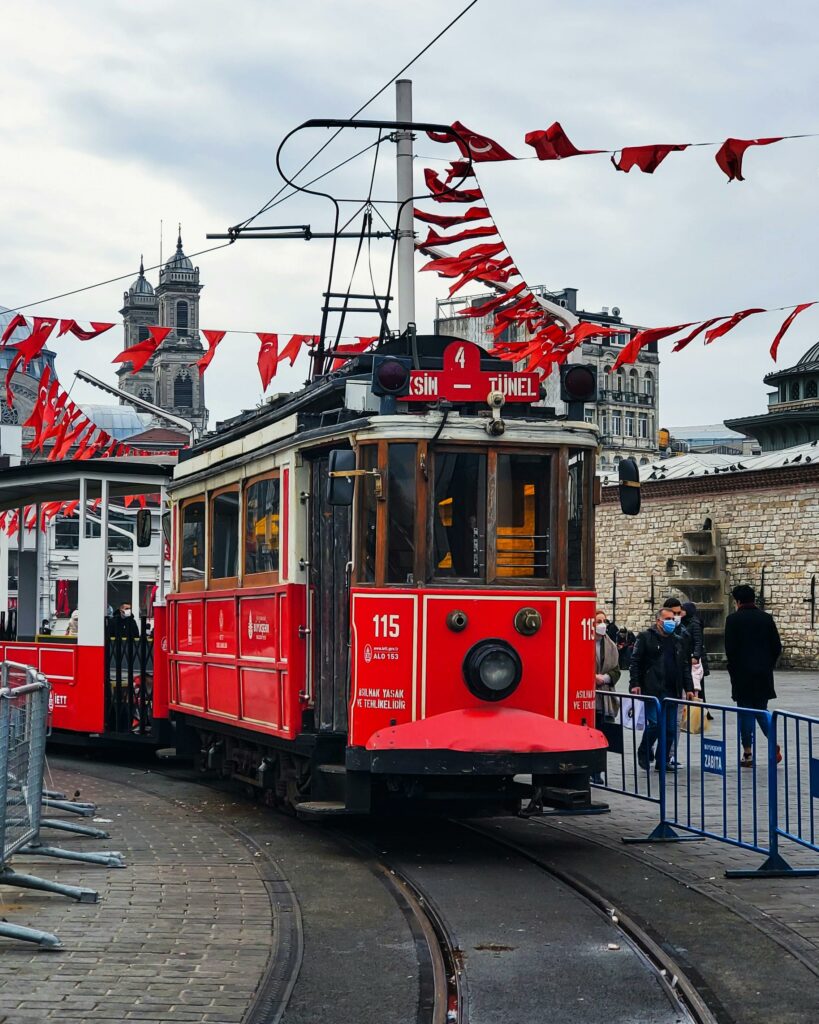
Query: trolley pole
[(405, 255)]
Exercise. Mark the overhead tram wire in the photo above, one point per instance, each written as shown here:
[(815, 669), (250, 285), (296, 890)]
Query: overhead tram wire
[(274, 200)]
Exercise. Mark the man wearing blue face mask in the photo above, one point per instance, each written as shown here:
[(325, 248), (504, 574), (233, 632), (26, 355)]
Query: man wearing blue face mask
[(660, 667)]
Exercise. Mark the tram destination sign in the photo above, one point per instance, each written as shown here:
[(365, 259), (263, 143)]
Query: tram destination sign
[(463, 380)]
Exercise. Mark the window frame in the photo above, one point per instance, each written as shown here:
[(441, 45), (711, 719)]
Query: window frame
[(224, 582), (191, 585), (259, 579)]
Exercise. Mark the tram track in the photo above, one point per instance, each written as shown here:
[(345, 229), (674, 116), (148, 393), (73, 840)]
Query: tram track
[(430, 872)]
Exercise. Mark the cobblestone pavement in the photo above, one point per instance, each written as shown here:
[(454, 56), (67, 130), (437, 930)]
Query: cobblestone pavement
[(164, 941), (787, 908)]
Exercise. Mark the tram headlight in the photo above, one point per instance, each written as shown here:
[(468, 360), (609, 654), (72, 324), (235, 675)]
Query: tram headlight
[(492, 669)]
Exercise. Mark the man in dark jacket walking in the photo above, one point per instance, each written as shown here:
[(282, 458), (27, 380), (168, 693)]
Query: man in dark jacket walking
[(660, 667), (752, 647)]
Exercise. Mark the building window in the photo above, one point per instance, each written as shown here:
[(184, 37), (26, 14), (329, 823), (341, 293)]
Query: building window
[(795, 391), (616, 423), (648, 383), (183, 390), (142, 332), (616, 460), (629, 425), (145, 394), (181, 318), (643, 462), (642, 425), (588, 416), (810, 389), (634, 382), (620, 379)]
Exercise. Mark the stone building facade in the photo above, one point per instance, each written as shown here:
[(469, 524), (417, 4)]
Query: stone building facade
[(627, 401), (766, 526), (168, 379)]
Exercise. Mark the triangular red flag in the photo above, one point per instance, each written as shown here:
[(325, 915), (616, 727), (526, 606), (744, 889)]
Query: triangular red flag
[(681, 343), (553, 144), (730, 324), (293, 347), (433, 238), (729, 155), (139, 354), (18, 320), (789, 319), (36, 418), (647, 158), (441, 220), (442, 193), (630, 351), (28, 349), (481, 148), (488, 307), (213, 338), (343, 352), (97, 328), (268, 360)]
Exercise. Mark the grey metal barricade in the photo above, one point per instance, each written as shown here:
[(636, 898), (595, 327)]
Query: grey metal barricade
[(23, 726), (24, 694)]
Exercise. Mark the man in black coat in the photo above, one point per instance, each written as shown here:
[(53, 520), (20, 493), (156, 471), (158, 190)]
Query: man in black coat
[(660, 667), (752, 647)]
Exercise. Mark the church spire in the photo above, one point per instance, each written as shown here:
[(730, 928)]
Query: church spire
[(179, 238)]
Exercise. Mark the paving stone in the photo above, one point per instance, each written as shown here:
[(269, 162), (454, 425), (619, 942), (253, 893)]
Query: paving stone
[(185, 930)]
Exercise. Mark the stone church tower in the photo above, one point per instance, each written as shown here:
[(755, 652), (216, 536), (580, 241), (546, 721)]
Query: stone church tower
[(168, 379)]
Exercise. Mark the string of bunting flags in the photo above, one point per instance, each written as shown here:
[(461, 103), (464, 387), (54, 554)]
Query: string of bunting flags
[(10, 519), (57, 419), (553, 143), (546, 341)]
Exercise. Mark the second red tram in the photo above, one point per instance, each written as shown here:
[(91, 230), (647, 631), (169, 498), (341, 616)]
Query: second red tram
[(389, 597)]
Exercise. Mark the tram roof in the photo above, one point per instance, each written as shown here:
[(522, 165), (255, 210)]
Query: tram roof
[(41, 482)]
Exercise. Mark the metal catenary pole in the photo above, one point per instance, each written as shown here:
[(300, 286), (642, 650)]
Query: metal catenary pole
[(405, 253)]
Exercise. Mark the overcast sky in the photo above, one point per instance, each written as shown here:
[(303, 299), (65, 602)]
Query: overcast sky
[(118, 115)]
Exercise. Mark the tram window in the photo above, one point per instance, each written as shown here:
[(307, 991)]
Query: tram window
[(576, 498), (192, 568), (459, 523), (523, 529), (401, 513), (225, 535), (368, 514), (262, 526)]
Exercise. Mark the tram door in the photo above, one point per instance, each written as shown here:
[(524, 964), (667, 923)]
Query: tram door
[(330, 553)]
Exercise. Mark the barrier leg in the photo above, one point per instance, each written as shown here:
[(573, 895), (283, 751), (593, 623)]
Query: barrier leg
[(78, 830), (74, 892), (109, 858), (662, 832), (84, 810), (44, 939), (54, 794)]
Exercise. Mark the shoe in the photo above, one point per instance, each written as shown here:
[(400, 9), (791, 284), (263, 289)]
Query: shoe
[(672, 766), (674, 763), (642, 760), (597, 779), (747, 759)]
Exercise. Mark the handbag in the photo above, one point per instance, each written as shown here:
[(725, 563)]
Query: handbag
[(632, 714), (694, 719)]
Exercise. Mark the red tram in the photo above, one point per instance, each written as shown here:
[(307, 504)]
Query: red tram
[(380, 597)]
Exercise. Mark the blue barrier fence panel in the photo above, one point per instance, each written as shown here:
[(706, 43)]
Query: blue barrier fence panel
[(798, 789), (622, 718)]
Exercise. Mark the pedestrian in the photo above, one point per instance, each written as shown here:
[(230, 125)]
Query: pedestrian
[(606, 674), (73, 627), (625, 645), (699, 655), (122, 623), (752, 647), (45, 627), (676, 607), (660, 667)]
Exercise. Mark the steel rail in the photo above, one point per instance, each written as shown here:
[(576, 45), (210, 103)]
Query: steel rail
[(678, 986)]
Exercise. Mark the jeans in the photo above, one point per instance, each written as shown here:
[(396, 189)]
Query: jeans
[(746, 723), (652, 730)]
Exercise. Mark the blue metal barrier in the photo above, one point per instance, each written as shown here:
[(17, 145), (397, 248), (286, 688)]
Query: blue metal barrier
[(624, 774), (708, 789)]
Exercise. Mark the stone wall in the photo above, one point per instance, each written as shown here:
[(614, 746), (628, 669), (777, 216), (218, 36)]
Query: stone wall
[(768, 519)]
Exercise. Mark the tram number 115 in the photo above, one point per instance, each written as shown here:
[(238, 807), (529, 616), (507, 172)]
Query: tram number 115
[(387, 626), (588, 628)]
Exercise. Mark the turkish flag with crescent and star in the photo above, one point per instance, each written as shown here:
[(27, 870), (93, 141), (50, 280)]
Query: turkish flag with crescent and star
[(481, 148), (268, 358)]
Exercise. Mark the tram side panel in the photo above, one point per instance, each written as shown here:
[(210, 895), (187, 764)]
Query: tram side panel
[(76, 674), (236, 657)]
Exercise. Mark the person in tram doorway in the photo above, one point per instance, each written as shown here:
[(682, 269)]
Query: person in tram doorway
[(752, 648), (73, 627), (660, 667), (606, 674), (123, 624)]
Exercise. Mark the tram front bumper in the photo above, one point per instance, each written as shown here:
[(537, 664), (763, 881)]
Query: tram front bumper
[(482, 741)]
